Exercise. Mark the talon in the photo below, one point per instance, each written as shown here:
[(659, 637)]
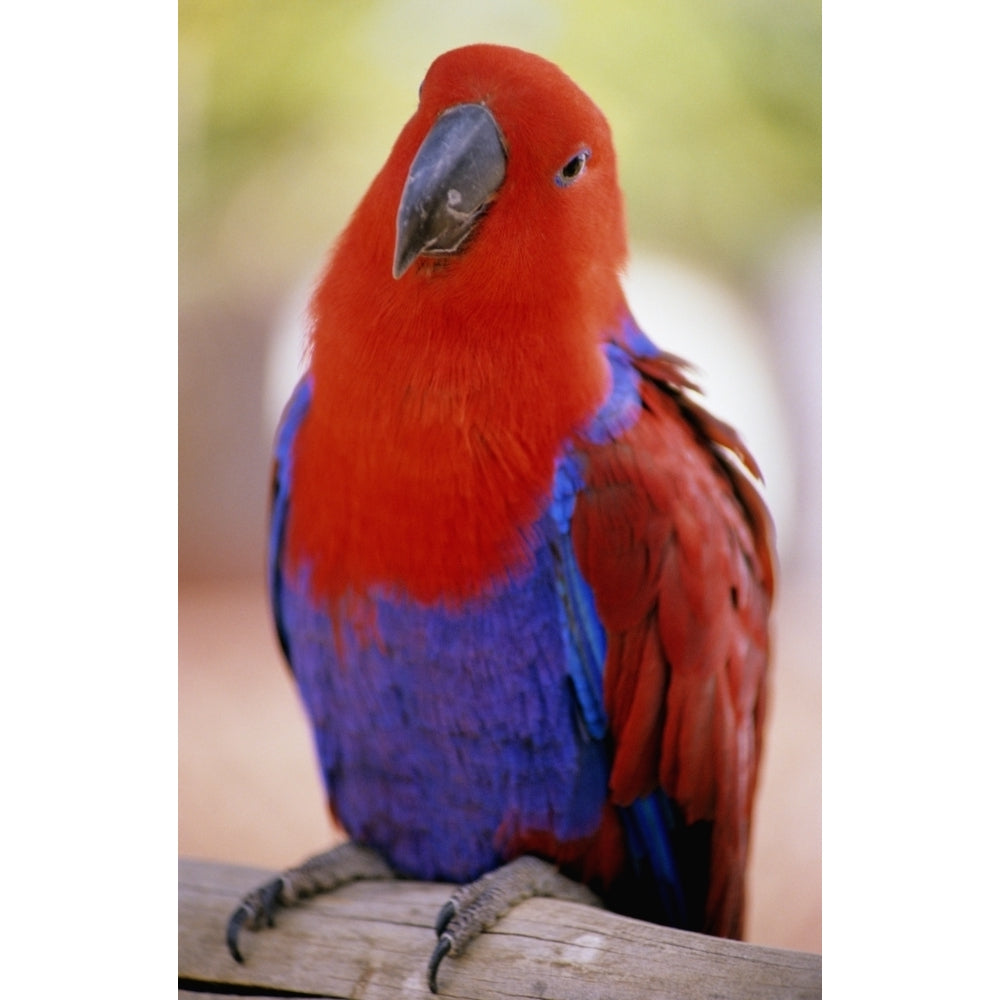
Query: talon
[(442, 949), (444, 917), (258, 907), (322, 873), (236, 922)]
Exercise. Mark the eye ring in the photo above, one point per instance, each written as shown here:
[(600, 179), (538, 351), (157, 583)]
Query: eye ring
[(573, 168)]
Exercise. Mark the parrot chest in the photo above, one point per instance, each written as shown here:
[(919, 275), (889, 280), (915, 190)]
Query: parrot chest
[(445, 736)]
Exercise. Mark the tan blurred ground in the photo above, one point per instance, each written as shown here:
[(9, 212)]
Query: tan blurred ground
[(249, 792)]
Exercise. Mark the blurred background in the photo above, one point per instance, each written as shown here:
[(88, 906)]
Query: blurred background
[(286, 112)]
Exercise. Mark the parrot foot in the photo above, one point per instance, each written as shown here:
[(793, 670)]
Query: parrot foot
[(323, 873), (479, 905)]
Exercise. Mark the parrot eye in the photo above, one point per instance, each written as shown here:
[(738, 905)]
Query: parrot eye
[(573, 168)]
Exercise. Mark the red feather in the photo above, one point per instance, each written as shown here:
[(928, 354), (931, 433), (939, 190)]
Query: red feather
[(676, 544), (470, 372)]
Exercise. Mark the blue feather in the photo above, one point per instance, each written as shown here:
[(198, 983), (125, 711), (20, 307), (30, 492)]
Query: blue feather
[(652, 824), (583, 636), (291, 420)]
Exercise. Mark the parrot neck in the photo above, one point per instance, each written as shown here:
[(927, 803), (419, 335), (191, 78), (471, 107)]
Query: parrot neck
[(429, 449)]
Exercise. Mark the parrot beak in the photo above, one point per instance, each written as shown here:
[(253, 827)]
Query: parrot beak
[(453, 178)]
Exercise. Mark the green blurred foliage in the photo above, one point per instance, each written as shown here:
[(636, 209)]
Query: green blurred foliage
[(288, 109), (716, 111)]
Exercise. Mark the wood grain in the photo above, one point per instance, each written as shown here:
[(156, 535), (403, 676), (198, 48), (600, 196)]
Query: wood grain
[(373, 940)]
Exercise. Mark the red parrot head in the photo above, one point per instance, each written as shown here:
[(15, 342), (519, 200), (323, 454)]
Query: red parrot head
[(511, 164), (500, 195), (459, 326)]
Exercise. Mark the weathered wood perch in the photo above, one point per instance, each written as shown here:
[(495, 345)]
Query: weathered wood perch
[(372, 940)]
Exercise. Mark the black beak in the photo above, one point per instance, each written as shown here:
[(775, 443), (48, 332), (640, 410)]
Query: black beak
[(455, 174)]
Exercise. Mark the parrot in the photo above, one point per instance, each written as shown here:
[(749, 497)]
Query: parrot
[(521, 575)]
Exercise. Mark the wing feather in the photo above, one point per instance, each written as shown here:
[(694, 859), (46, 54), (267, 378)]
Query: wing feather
[(677, 546)]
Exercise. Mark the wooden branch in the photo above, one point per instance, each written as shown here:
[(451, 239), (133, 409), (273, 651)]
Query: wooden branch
[(372, 940)]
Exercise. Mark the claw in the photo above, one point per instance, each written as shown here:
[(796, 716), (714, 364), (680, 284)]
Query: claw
[(444, 944), (444, 917), (236, 922), (442, 949), (259, 905), (322, 873), (476, 907)]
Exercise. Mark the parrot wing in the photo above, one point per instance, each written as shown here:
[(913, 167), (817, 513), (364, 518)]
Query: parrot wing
[(675, 543)]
